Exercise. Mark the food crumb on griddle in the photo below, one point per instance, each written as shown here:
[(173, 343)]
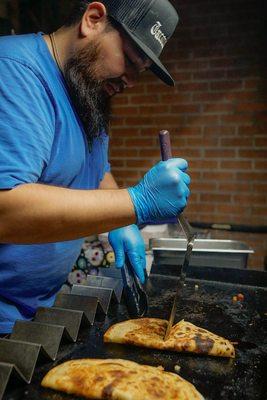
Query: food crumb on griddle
[(238, 297), (177, 368)]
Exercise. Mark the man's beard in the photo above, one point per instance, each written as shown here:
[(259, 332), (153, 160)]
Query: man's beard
[(91, 102)]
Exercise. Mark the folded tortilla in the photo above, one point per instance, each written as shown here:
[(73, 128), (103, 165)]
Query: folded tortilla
[(184, 336), (117, 379)]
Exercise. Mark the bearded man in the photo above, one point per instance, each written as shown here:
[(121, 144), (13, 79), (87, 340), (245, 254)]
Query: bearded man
[(55, 181)]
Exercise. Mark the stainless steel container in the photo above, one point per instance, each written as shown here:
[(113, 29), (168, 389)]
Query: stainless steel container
[(206, 252)]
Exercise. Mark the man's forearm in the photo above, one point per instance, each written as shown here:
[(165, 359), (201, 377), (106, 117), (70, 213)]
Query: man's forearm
[(34, 213)]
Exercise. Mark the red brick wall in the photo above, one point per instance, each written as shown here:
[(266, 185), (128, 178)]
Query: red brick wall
[(217, 115)]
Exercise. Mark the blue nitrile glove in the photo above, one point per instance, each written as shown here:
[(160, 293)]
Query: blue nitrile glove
[(162, 193), (168, 221), (128, 240)]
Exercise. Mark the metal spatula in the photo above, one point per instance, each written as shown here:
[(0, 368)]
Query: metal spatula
[(166, 153)]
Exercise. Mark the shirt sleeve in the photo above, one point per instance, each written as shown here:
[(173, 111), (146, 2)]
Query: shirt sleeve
[(27, 124)]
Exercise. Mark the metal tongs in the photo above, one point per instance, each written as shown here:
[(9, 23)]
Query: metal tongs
[(166, 153), (134, 293)]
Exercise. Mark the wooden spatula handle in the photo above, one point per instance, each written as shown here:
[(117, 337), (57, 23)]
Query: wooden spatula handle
[(165, 145)]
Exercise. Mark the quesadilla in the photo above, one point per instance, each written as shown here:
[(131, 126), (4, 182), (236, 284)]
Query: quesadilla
[(119, 380), (184, 336)]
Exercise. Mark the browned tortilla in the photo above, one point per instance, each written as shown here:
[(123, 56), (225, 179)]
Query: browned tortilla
[(118, 380), (184, 336)]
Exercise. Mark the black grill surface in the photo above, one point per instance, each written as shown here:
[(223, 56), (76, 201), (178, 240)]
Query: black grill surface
[(210, 307)]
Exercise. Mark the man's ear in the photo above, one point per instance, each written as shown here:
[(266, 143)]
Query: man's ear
[(94, 19)]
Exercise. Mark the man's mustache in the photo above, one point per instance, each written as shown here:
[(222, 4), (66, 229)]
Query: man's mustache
[(117, 84)]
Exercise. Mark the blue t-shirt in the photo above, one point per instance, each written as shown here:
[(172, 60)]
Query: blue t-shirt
[(41, 141)]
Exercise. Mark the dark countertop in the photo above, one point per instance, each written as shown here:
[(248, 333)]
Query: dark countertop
[(210, 307)]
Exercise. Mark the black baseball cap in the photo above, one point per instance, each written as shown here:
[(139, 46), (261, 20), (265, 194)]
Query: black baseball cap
[(150, 24)]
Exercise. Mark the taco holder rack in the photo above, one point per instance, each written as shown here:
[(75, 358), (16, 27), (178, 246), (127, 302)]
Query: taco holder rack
[(34, 342)]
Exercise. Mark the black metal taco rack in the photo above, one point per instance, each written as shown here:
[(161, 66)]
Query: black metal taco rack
[(39, 340)]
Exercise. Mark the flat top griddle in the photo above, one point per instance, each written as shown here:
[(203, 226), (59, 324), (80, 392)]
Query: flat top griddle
[(210, 307)]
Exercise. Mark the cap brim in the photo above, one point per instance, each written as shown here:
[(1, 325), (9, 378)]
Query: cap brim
[(157, 67)]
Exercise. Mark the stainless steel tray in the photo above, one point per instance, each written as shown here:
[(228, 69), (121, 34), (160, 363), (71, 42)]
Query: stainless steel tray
[(206, 252)]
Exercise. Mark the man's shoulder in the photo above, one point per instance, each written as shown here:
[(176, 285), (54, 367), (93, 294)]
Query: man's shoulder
[(25, 58), (23, 49), (18, 46)]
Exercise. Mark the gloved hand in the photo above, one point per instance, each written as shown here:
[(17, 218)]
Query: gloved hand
[(162, 193), (128, 240)]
